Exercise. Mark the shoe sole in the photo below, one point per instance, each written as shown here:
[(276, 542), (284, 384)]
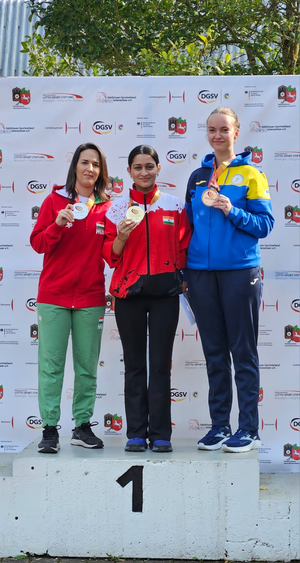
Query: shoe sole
[(84, 445), (213, 447), (135, 449), (49, 450), (254, 446)]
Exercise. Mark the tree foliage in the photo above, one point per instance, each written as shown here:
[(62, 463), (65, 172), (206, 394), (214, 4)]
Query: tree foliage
[(158, 37)]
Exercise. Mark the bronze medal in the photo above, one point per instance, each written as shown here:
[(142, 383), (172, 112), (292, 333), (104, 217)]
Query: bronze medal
[(209, 196)]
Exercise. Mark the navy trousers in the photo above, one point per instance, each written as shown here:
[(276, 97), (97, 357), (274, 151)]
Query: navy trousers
[(148, 405), (226, 306)]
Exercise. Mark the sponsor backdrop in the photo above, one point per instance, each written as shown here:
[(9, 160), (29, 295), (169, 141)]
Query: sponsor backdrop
[(42, 121)]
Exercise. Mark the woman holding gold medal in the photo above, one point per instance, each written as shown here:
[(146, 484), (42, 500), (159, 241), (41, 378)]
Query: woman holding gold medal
[(228, 204), (71, 297), (147, 235)]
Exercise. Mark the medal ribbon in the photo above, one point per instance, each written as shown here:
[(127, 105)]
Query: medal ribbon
[(155, 197), (90, 202), (213, 182)]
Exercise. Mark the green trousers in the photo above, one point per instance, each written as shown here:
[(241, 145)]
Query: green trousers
[(86, 327)]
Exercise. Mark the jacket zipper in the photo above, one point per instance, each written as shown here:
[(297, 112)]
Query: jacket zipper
[(147, 234), (209, 232)]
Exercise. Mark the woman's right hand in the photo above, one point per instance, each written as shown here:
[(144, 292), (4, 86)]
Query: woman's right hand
[(65, 216), (124, 229)]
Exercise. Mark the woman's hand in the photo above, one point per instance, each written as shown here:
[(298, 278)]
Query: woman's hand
[(184, 286), (124, 229), (223, 203), (65, 216)]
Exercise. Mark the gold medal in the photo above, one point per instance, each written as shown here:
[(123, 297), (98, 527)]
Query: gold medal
[(209, 196), (135, 213)]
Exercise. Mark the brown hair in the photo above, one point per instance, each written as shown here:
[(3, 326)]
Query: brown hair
[(102, 180)]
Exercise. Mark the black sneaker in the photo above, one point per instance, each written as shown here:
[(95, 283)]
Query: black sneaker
[(84, 436), (50, 441)]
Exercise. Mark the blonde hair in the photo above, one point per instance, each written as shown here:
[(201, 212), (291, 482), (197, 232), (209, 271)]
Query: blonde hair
[(226, 111)]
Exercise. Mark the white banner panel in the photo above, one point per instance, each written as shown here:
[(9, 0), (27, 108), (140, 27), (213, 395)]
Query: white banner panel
[(42, 121)]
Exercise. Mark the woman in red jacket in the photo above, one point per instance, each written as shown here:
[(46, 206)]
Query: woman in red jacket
[(71, 297), (147, 234)]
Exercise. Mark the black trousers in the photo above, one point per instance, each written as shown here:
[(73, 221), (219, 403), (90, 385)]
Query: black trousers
[(226, 306), (148, 403)]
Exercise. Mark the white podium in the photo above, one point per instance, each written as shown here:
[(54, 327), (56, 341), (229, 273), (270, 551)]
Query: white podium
[(184, 505)]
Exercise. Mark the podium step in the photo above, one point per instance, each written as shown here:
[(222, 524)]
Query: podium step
[(182, 505)]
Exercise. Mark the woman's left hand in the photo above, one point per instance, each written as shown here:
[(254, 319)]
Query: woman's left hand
[(223, 203)]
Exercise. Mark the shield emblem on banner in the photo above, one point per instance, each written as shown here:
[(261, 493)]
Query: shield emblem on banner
[(34, 213), (296, 215), (1, 274), (261, 394), (117, 423), (296, 334), (0, 156), (296, 452), (291, 95), (118, 186), (1, 392), (108, 420), (25, 98), (257, 156), (34, 331), (181, 126)]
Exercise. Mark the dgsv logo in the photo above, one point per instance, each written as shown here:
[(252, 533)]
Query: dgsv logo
[(31, 304), (295, 424), (207, 97), (295, 305), (34, 422), (177, 396), (295, 185), (34, 187), (175, 158), (101, 128)]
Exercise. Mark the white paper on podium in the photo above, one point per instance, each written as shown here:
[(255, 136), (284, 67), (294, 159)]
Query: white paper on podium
[(186, 305)]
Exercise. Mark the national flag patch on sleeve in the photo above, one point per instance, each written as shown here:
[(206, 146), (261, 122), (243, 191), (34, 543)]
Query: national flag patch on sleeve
[(99, 228), (168, 220)]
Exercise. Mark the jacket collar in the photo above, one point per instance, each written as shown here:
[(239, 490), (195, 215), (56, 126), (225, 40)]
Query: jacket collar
[(139, 197)]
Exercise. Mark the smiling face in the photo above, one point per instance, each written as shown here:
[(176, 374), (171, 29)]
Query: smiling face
[(222, 133), (87, 171), (144, 171)]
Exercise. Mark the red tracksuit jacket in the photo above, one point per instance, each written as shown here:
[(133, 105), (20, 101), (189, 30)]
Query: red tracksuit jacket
[(72, 274), (156, 249)]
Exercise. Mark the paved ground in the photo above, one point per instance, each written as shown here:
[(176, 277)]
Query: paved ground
[(112, 559)]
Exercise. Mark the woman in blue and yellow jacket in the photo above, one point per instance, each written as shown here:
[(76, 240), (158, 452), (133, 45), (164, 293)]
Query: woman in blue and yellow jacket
[(229, 207)]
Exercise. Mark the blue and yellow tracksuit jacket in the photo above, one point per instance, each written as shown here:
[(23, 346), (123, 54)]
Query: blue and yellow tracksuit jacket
[(229, 242)]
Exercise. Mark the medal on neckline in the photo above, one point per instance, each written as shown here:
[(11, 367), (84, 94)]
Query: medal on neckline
[(210, 195), (81, 210), (135, 212)]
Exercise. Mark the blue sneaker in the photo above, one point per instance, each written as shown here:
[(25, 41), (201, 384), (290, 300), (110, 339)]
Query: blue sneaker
[(215, 438), (136, 445), (242, 441), (161, 446)]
